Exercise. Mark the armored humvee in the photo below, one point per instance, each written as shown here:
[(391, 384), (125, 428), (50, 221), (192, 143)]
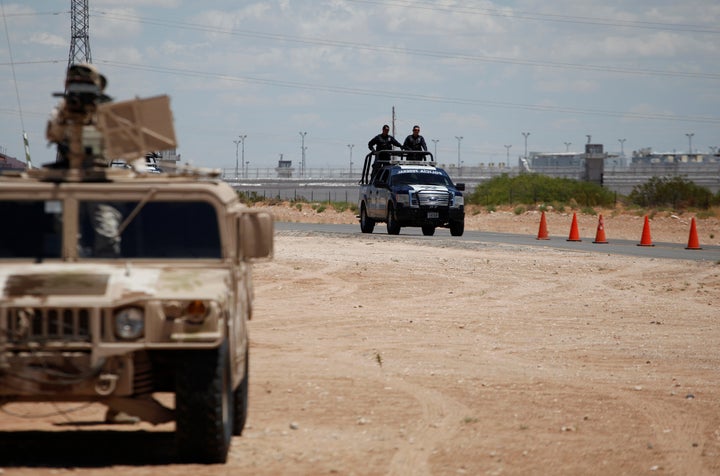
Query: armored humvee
[(118, 285)]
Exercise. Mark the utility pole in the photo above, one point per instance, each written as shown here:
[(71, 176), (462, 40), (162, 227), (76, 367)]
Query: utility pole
[(567, 146), (79, 33), (393, 121), (436, 141), (350, 146), (507, 155), (302, 150), (459, 138), (622, 147), (589, 138), (525, 134)]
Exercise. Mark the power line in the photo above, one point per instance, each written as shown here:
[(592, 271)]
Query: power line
[(411, 96), (401, 51), (549, 17), (34, 14)]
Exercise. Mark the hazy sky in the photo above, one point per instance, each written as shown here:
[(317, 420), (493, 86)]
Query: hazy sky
[(647, 71)]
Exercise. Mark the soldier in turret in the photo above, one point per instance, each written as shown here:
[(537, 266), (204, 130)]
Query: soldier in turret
[(73, 122)]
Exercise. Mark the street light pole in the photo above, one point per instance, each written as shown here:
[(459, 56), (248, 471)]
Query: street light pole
[(350, 146), (459, 138), (436, 141), (622, 147), (525, 134), (567, 146), (242, 142), (507, 155), (690, 136), (302, 150), (237, 143)]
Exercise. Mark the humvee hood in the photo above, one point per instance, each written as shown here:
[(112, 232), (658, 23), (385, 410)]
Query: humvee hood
[(111, 283)]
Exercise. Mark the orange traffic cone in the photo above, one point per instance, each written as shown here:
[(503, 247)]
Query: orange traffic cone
[(543, 232), (693, 241), (574, 233), (645, 240), (600, 235)]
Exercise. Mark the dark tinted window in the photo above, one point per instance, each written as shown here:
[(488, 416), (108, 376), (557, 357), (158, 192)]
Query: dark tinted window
[(158, 230), (30, 229)]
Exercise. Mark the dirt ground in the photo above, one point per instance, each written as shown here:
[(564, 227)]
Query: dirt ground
[(374, 355)]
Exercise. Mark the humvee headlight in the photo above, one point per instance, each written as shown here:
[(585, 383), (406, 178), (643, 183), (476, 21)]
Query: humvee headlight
[(196, 311), (129, 323), (459, 201)]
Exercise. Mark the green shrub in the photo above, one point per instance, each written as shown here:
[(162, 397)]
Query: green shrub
[(519, 210), (250, 198), (535, 188), (675, 192), (340, 207)]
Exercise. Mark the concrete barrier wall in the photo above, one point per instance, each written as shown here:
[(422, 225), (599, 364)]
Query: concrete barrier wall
[(342, 187)]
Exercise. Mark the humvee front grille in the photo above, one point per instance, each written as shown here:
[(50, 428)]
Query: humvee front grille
[(430, 198), (47, 325)]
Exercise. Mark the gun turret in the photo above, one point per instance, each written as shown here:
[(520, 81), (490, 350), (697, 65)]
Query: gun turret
[(91, 131)]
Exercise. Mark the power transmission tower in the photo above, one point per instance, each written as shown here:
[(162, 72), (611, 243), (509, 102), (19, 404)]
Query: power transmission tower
[(79, 33)]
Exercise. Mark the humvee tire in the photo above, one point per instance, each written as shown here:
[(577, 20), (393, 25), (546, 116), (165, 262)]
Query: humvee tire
[(241, 401), (204, 405)]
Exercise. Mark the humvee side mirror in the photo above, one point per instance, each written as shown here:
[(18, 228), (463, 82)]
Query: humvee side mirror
[(460, 187), (255, 235)]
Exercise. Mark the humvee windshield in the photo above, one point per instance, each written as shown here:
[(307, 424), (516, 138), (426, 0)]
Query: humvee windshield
[(33, 229)]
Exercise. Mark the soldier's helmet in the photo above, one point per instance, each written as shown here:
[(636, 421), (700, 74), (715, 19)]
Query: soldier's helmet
[(85, 73)]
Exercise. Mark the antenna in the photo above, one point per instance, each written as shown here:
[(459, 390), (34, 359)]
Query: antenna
[(26, 141), (79, 33)]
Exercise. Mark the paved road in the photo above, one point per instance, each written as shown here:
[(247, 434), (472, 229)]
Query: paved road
[(481, 238)]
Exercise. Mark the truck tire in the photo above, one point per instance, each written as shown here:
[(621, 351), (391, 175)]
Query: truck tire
[(204, 405), (367, 225), (393, 227), (428, 230), (241, 401), (457, 228)]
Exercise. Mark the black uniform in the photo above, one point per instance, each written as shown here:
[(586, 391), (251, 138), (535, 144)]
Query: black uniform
[(415, 143), (383, 142)]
